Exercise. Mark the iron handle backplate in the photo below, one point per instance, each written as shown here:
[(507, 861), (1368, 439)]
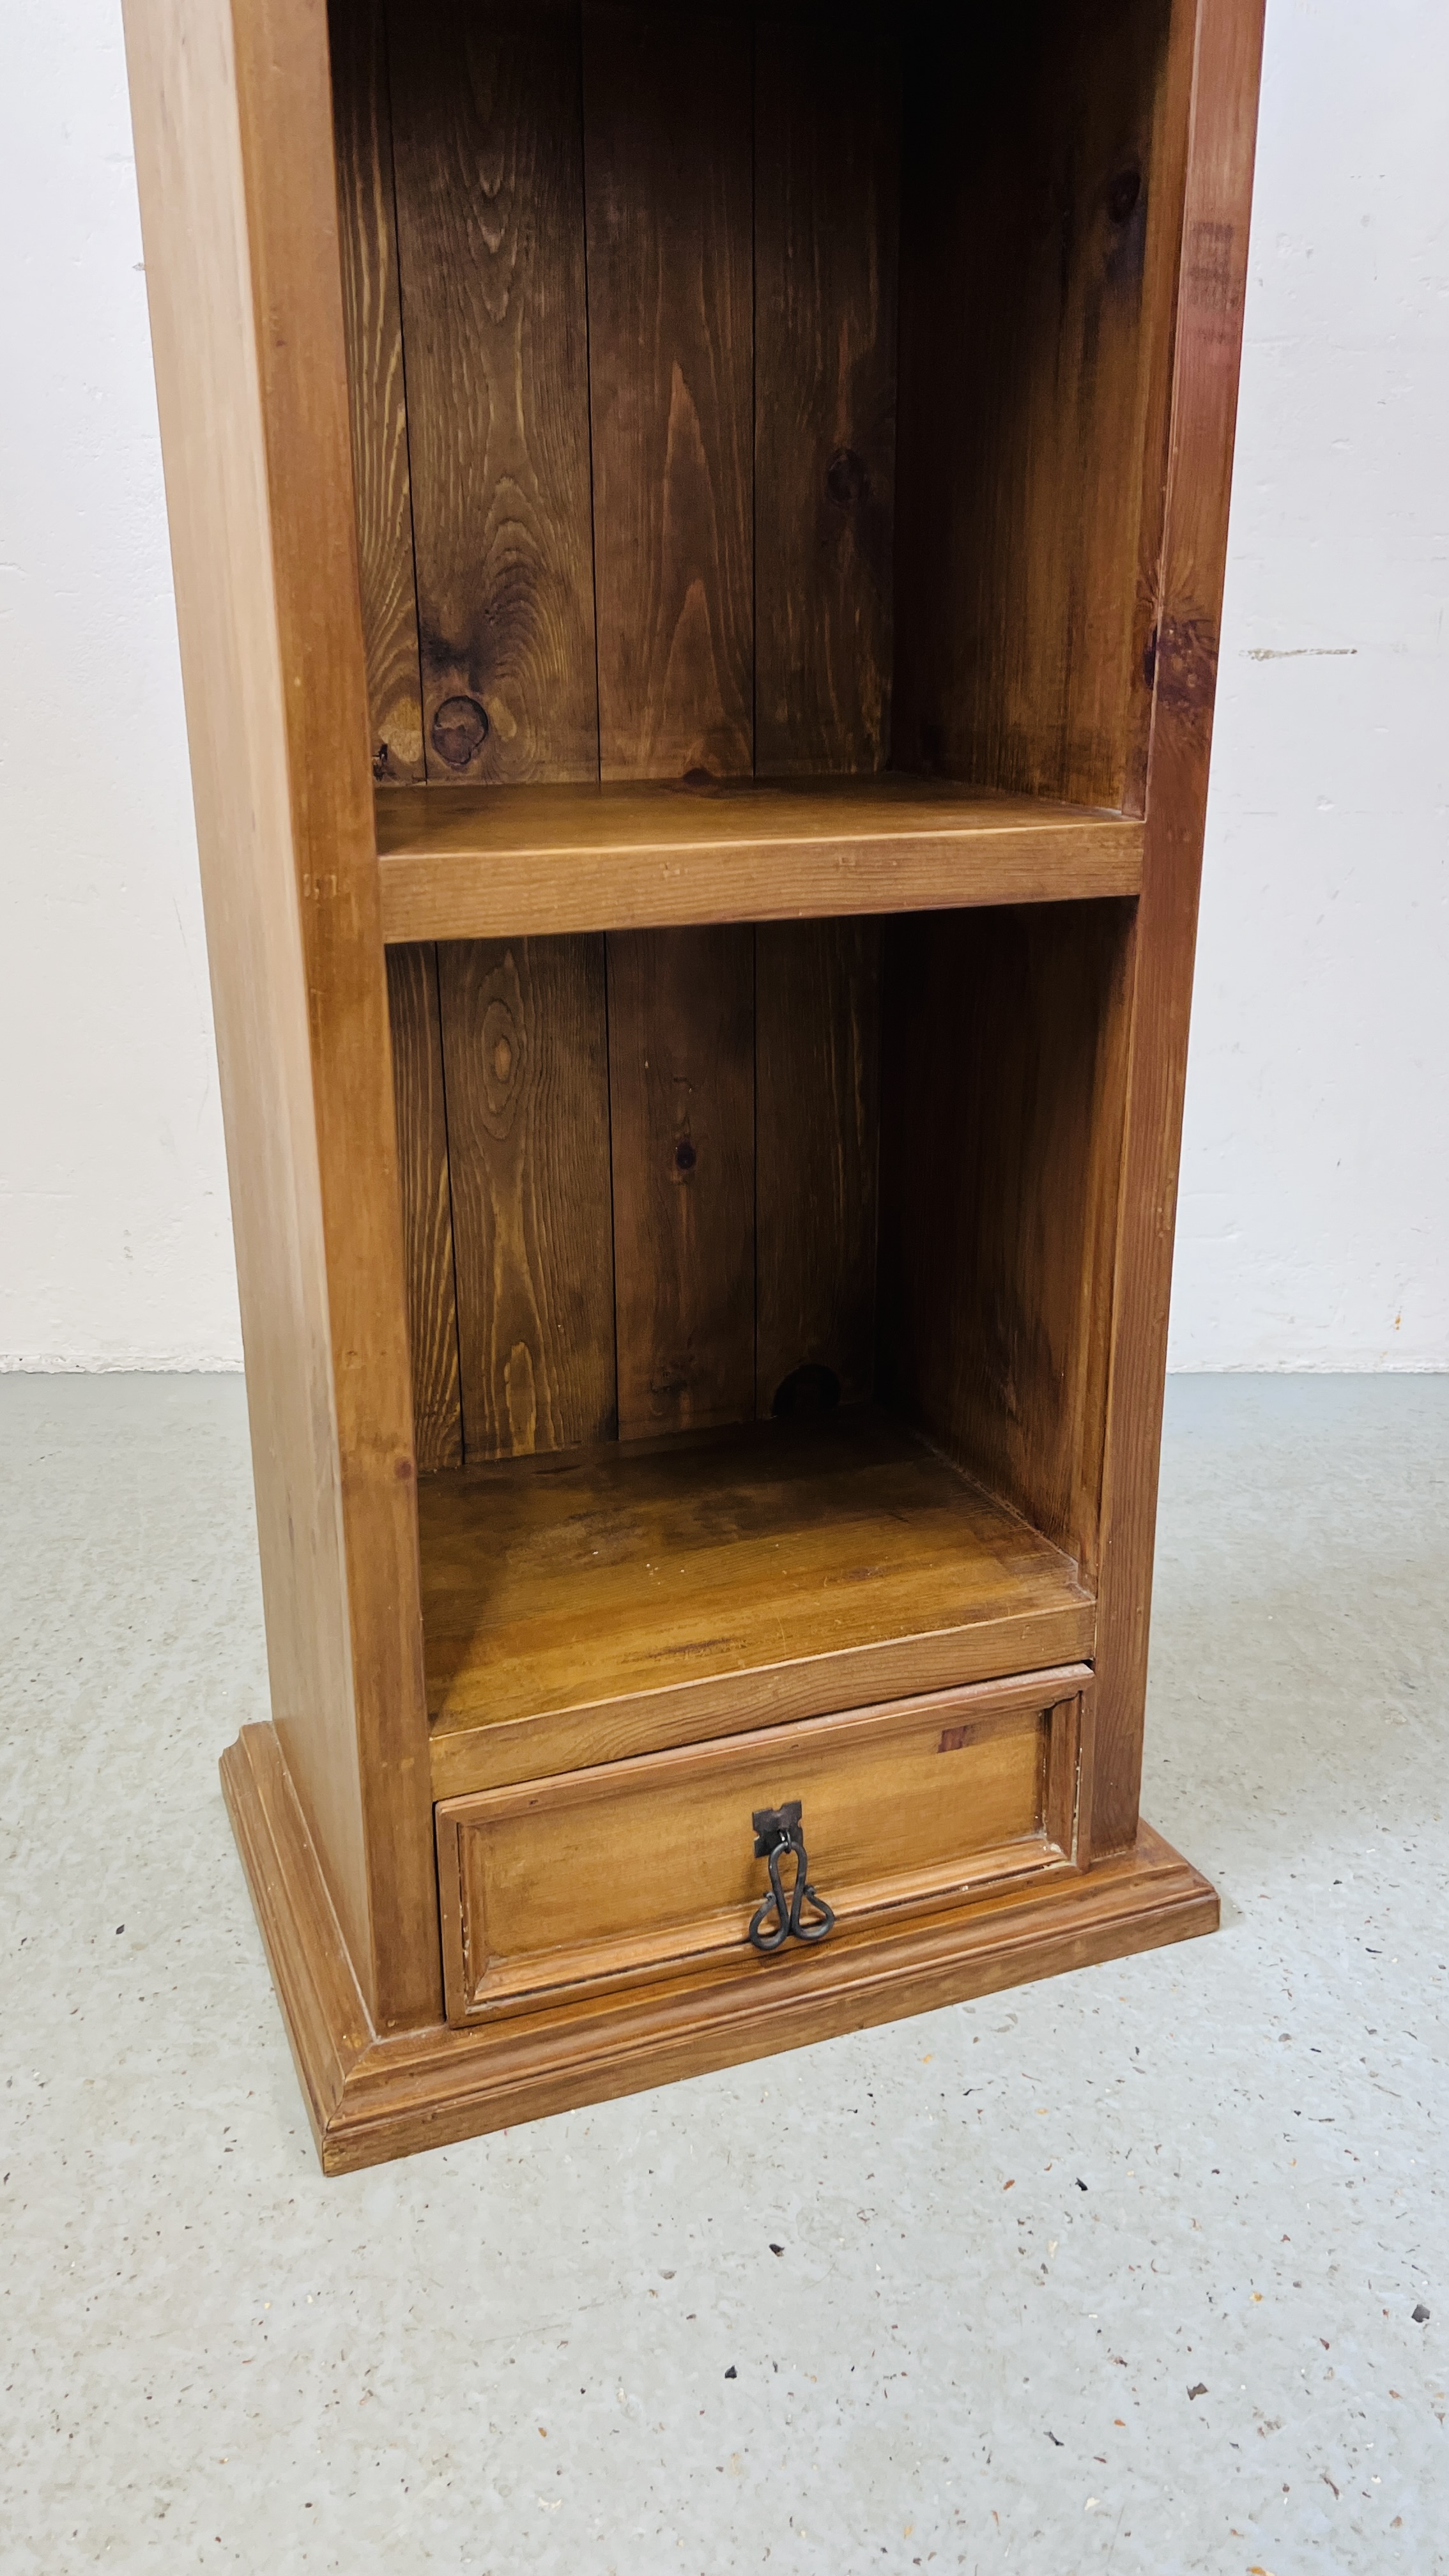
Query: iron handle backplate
[(780, 1836)]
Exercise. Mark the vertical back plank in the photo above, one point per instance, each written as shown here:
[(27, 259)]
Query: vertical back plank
[(487, 148), (525, 1052), (826, 203), (667, 121), (373, 320), (681, 1068), (817, 1139), (422, 1151)]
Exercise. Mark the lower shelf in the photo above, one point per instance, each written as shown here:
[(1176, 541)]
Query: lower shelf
[(591, 1605), (372, 2098)]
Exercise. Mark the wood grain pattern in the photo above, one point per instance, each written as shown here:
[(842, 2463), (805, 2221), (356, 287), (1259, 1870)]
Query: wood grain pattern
[(525, 1052), (1004, 1058), (490, 231), (605, 1878), (817, 1152), (667, 120), (233, 125), (393, 2097), (827, 137), (456, 865), (1025, 425), (367, 223), (427, 1206), (584, 1608), (682, 1108), (1184, 662)]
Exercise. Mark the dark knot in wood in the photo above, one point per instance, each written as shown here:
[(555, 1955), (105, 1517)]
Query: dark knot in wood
[(846, 479), (1185, 666), (459, 731), (684, 1155)]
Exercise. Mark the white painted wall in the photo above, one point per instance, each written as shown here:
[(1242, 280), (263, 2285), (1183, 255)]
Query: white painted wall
[(1314, 1223), (115, 1238)]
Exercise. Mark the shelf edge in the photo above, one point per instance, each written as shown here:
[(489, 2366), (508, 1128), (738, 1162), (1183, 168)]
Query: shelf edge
[(483, 894), (468, 1757)]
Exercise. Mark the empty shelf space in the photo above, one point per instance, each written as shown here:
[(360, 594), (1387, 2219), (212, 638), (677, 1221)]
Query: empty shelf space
[(598, 1603), (511, 862)]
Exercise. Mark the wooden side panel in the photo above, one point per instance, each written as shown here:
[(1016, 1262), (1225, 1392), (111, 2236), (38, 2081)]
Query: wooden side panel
[(817, 1151), (525, 1053), (827, 121), (592, 1881), (668, 144), (1183, 659), (1004, 1058), (199, 285), (1037, 146), (681, 1064), (490, 229), (234, 155), (422, 1141), (362, 120)]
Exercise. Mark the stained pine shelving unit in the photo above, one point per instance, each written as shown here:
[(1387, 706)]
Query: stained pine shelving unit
[(699, 537)]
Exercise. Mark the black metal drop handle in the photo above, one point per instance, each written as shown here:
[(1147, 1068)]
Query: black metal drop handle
[(779, 1833)]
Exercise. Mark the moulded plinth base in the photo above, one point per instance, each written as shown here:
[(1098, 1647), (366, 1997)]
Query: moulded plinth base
[(372, 2098)]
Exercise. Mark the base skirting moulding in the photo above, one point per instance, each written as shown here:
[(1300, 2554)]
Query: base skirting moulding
[(372, 2098)]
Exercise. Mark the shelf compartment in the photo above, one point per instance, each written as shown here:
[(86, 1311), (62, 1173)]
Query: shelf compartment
[(515, 862), (594, 1604)]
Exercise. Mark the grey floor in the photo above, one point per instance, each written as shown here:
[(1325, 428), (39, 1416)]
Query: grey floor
[(1119, 2272)]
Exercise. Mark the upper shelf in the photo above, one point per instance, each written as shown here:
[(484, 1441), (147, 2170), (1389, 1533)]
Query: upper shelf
[(496, 862)]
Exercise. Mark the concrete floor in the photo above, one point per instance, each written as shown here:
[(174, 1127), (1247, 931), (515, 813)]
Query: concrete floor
[(1014, 2238)]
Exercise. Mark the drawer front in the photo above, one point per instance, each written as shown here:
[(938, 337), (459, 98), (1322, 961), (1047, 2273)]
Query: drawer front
[(603, 1878)]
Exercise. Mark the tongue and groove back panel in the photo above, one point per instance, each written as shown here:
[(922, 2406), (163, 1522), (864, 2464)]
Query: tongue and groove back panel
[(639, 1180), (621, 292), (625, 291), (620, 289)]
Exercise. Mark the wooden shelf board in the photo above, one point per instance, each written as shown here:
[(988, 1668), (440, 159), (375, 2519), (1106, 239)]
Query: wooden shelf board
[(604, 1602), (510, 862)]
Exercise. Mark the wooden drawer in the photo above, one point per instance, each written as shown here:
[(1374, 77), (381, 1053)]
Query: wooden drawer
[(601, 1878)]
